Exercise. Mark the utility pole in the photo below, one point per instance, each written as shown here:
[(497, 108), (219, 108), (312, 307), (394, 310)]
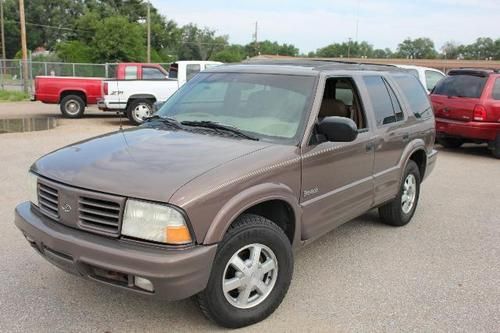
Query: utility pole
[(149, 31), (2, 28), (349, 48), (256, 38), (23, 45)]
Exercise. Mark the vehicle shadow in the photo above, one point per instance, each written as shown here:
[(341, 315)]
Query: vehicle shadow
[(480, 150)]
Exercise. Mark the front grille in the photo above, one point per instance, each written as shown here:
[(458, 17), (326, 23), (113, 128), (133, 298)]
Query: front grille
[(100, 214), (48, 200)]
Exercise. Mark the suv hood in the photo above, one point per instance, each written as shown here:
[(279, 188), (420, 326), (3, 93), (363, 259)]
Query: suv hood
[(143, 163)]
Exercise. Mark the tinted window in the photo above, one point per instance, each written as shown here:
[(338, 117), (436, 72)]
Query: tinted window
[(131, 73), (415, 95), (468, 86), (381, 100), (149, 73), (496, 90), (413, 72), (172, 72), (192, 70), (432, 78), (396, 106), (270, 107)]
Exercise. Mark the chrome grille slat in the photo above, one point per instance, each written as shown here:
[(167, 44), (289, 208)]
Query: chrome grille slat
[(48, 199), (99, 213)]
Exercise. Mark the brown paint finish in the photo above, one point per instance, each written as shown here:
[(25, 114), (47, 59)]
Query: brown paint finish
[(213, 179)]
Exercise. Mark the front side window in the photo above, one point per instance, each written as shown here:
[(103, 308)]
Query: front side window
[(269, 107), (131, 73), (496, 90), (432, 78), (415, 95), (468, 86), (381, 100), (150, 73)]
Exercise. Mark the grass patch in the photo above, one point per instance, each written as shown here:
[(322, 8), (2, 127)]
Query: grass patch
[(13, 96)]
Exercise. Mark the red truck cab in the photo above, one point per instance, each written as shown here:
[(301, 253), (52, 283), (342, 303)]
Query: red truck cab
[(75, 93), (467, 108)]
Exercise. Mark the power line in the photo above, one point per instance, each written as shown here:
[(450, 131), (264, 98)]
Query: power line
[(48, 26)]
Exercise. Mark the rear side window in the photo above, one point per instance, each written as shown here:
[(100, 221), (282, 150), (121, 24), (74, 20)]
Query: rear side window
[(192, 70), (131, 73), (432, 78), (468, 86), (150, 73), (383, 103), (415, 95), (496, 90)]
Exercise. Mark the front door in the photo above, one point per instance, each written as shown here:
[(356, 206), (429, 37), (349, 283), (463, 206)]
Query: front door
[(337, 182)]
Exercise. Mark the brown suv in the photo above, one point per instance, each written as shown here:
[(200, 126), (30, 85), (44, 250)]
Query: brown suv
[(243, 164)]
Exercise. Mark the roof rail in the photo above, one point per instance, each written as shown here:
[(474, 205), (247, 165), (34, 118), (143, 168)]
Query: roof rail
[(351, 62)]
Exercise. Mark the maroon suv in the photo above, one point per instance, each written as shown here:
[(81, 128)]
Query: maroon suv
[(467, 108)]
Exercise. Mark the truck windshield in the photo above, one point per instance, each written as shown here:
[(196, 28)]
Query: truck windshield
[(267, 106)]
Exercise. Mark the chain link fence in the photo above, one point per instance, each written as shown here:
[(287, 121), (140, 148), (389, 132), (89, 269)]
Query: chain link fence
[(11, 72)]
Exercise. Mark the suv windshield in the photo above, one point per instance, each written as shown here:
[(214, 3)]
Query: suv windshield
[(468, 86), (265, 106)]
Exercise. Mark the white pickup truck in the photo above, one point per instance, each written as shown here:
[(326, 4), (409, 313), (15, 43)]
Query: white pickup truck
[(136, 95)]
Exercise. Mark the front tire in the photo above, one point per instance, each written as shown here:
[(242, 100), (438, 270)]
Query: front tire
[(496, 147), (451, 143), (399, 211), (138, 110), (250, 275), (72, 106)]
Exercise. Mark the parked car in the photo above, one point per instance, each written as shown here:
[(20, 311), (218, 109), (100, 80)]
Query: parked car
[(429, 77), (73, 94), (237, 168), (136, 98), (467, 108)]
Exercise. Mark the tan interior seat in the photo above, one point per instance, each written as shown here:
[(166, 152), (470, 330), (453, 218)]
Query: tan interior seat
[(333, 108)]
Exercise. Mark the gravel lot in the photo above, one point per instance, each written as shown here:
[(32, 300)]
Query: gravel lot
[(439, 273)]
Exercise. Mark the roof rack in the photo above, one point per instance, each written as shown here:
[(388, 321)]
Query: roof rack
[(351, 62)]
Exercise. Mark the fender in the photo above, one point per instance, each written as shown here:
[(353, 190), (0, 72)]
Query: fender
[(412, 147), (65, 89), (142, 96), (249, 198)]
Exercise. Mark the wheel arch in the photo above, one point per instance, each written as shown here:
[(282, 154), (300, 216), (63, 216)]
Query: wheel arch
[(73, 91), (275, 202)]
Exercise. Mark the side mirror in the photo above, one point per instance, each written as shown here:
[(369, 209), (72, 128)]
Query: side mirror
[(338, 129), (157, 106)]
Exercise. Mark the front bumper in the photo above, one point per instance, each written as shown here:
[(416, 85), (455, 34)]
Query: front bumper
[(175, 273), (473, 130)]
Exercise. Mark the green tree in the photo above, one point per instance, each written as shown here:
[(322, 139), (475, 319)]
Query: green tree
[(116, 39), (74, 51), (274, 48), (232, 53), (420, 48), (200, 44)]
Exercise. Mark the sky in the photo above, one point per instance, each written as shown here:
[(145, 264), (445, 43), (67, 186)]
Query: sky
[(310, 25)]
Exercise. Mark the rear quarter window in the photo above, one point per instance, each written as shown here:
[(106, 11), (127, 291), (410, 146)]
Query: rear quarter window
[(496, 90), (415, 95), (468, 86)]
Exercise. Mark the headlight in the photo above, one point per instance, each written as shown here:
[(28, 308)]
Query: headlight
[(154, 222), (33, 188)]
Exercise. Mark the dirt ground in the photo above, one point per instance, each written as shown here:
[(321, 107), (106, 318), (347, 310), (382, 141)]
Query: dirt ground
[(441, 273)]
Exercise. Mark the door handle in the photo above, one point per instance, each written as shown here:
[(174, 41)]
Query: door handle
[(370, 146), (406, 137)]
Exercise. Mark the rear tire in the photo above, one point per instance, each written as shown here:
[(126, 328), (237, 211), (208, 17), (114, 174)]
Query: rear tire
[(496, 147), (399, 211), (138, 110), (72, 106), (261, 283), (450, 143)]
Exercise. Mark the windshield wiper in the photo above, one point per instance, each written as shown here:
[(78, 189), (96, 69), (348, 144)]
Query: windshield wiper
[(165, 120), (218, 126)]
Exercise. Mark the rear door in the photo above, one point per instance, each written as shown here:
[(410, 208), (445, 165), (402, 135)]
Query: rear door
[(391, 136), (456, 96), (493, 101)]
